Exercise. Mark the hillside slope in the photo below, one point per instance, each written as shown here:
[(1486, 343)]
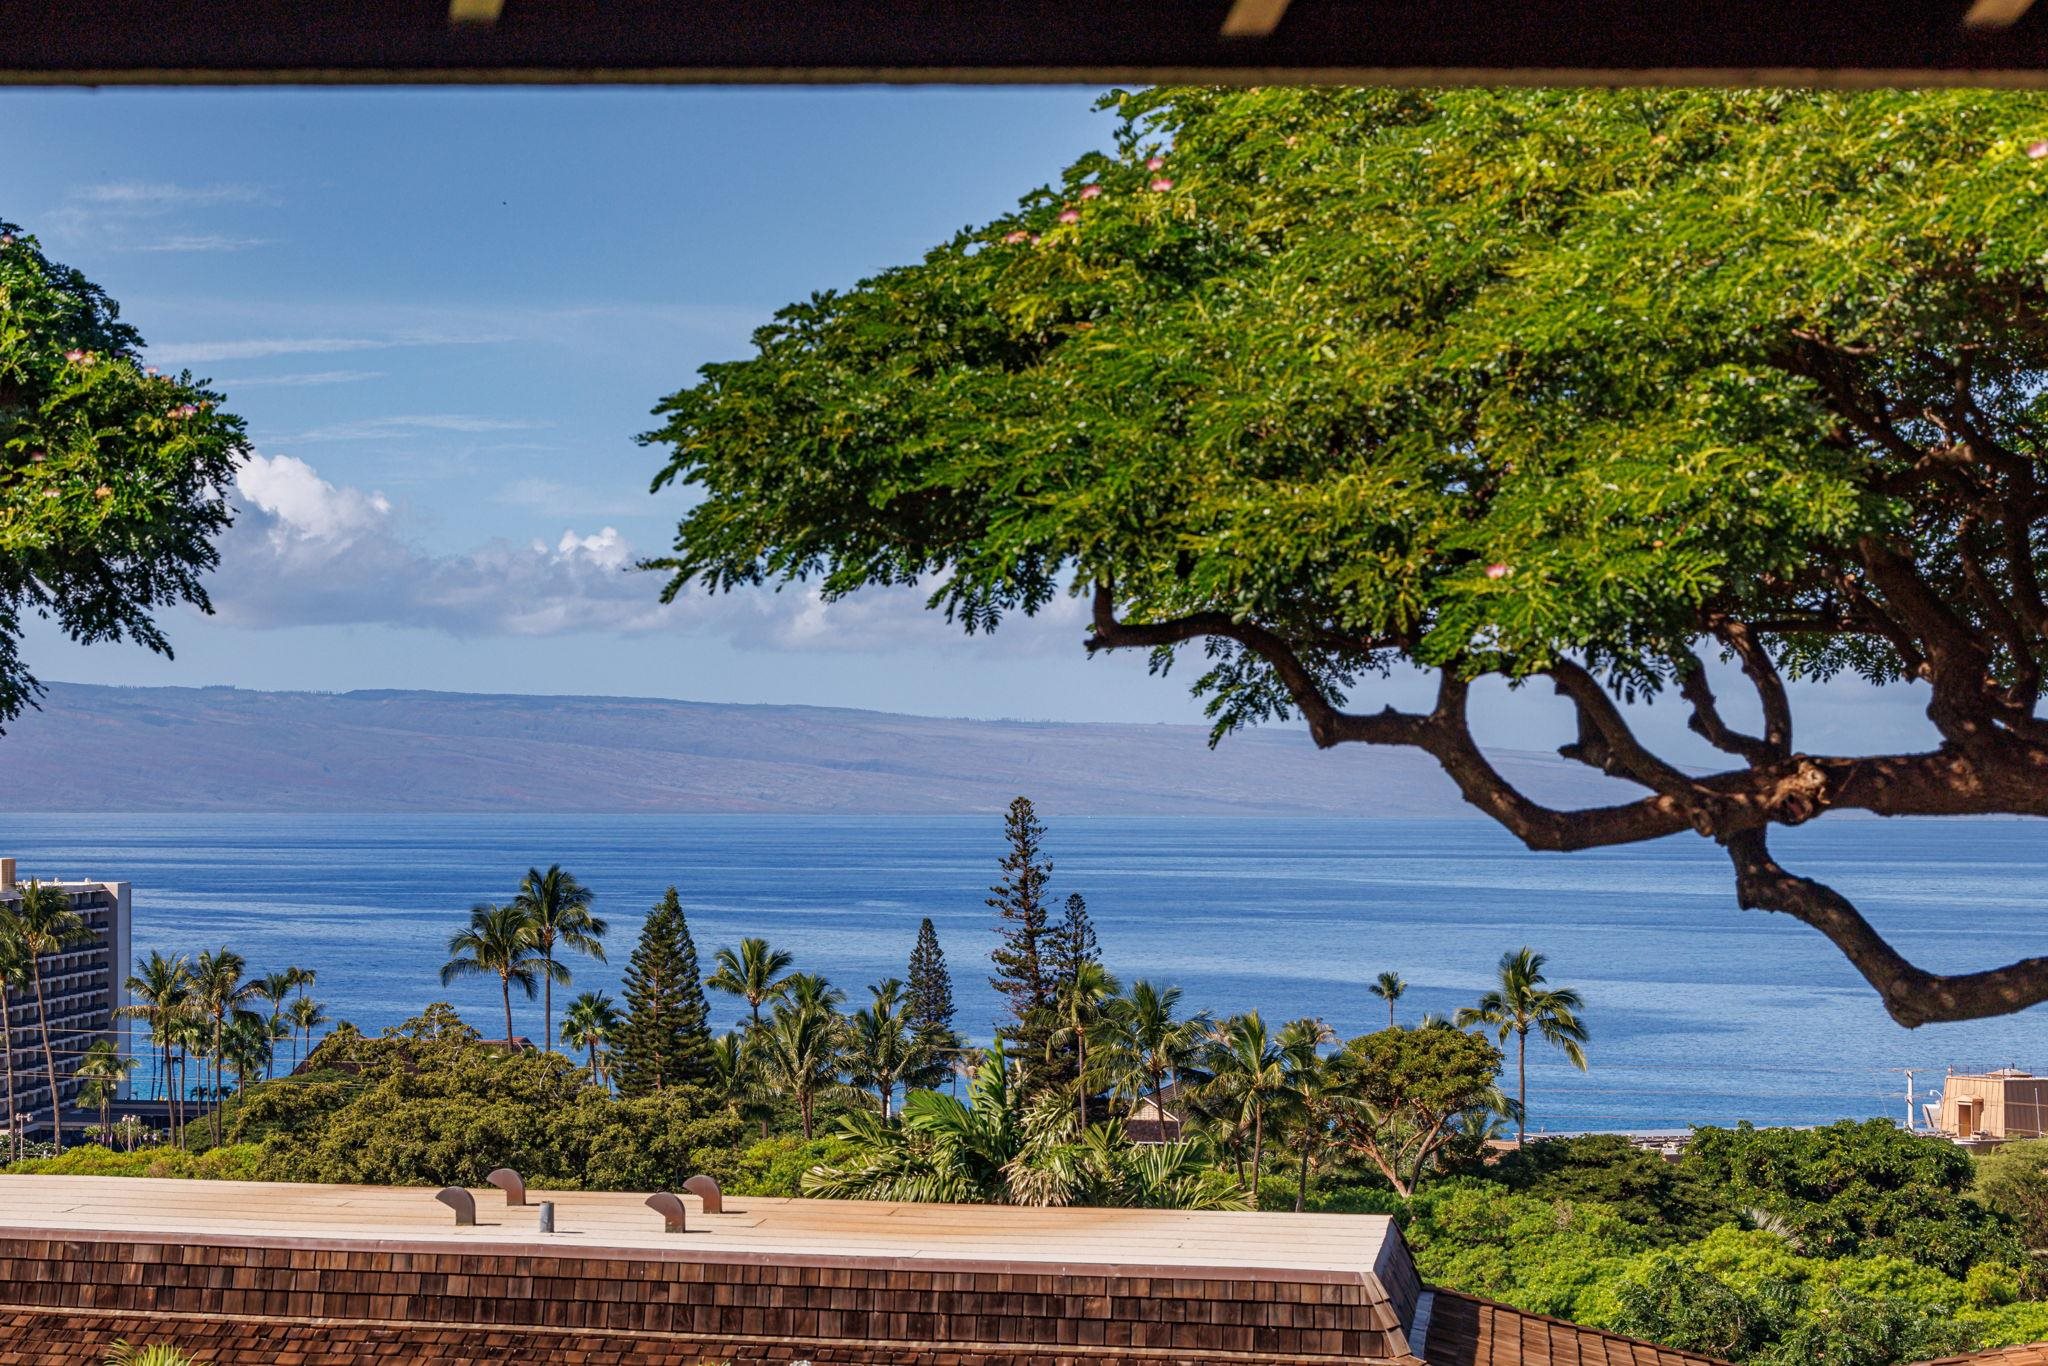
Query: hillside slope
[(97, 748)]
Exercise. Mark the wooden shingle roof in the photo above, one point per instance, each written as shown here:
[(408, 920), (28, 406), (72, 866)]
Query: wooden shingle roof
[(1467, 1331)]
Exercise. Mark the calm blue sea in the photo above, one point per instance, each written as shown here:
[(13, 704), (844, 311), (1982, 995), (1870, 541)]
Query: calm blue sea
[(1700, 1012)]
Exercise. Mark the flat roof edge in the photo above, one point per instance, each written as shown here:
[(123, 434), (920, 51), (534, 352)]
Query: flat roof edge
[(595, 1251)]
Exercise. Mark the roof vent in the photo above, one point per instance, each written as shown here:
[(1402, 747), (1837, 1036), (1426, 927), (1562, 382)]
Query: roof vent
[(462, 1202), (510, 1182), (705, 1188), (670, 1208)]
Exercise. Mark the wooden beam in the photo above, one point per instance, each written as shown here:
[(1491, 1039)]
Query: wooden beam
[(1996, 14), (475, 11), (1258, 18)]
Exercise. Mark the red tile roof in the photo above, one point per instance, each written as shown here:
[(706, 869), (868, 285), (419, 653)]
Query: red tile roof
[(2036, 1355)]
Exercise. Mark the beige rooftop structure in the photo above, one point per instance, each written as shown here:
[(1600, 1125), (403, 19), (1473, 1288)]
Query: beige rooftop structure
[(1991, 1107), (245, 1273)]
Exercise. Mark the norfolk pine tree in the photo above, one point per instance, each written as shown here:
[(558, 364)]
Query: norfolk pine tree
[(930, 1000), (665, 1039)]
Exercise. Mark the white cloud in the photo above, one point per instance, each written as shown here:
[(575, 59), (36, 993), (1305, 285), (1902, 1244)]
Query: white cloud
[(198, 241), (305, 551), (141, 194), (380, 428), (156, 216), (302, 379)]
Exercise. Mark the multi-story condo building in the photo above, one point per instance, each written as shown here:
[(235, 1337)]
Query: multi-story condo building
[(84, 989)]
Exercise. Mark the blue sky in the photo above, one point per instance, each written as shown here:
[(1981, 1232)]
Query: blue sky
[(445, 315)]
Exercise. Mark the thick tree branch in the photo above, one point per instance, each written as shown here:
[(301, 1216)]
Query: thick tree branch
[(1912, 995)]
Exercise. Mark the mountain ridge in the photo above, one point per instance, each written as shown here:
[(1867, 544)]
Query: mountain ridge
[(102, 748)]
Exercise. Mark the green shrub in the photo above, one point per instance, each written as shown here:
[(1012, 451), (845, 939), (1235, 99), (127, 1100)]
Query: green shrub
[(234, 1162), (775, 1166)]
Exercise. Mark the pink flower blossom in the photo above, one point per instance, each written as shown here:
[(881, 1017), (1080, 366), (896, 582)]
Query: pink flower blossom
[(1070, 215), (184, 410), (1018, 236), (1162, 185), (150, 371), (1154, 163), (1498, 571), (6, 239), (38, 457), (1091, 192), (74, 356), (2037, 150)]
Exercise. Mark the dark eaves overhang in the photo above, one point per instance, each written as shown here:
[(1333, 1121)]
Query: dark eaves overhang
[(1792, 42)]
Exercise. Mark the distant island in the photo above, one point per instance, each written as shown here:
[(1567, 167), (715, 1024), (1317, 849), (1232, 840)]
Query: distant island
[(94, 748)]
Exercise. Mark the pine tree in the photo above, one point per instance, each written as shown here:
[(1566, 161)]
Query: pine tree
[(666, 1038), (930, 1003), (1024, 962), (1073, 943)]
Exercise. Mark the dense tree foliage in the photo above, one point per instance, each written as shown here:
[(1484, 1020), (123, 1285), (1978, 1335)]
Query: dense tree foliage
[(1409, 1089), (1573, 386), (1858, 1189), (113, 478), (431, 1104)]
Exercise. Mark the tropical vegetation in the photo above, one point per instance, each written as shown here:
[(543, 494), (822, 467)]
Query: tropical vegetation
[(1638, 394)]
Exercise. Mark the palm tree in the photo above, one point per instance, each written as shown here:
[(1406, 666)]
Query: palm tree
[(1080, 1002), (306, 1015), (1389, 988), (589, 1023), (103, 1071), (1521, 1003), (220, 995), (276, 988), (798, 1050), (810, 991), (1312, 1095), (1140, 1042), (880, 1045), (754, 974), (158, 989), (558, 907), (997, 1148), (14, 970), (1248, 1073), (42, 922), (188, 1031), (249, 1048), (500, 943)]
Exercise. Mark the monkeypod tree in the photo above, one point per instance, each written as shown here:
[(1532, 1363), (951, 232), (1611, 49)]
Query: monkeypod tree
[(113, 478), (1583, 388)]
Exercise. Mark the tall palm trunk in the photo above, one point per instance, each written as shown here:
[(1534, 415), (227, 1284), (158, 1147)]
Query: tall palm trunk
[(220, 1028), (1301, 1185), (49, 1058), (505, 981), (547, 993), (1521, 1088), (1258, 1150), (1081, 1079)]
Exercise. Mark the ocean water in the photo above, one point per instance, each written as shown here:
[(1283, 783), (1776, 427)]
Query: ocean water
[(1700, 1012)]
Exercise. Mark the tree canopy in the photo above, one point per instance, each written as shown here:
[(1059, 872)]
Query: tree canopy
[(113, 478), (1570, 386)]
